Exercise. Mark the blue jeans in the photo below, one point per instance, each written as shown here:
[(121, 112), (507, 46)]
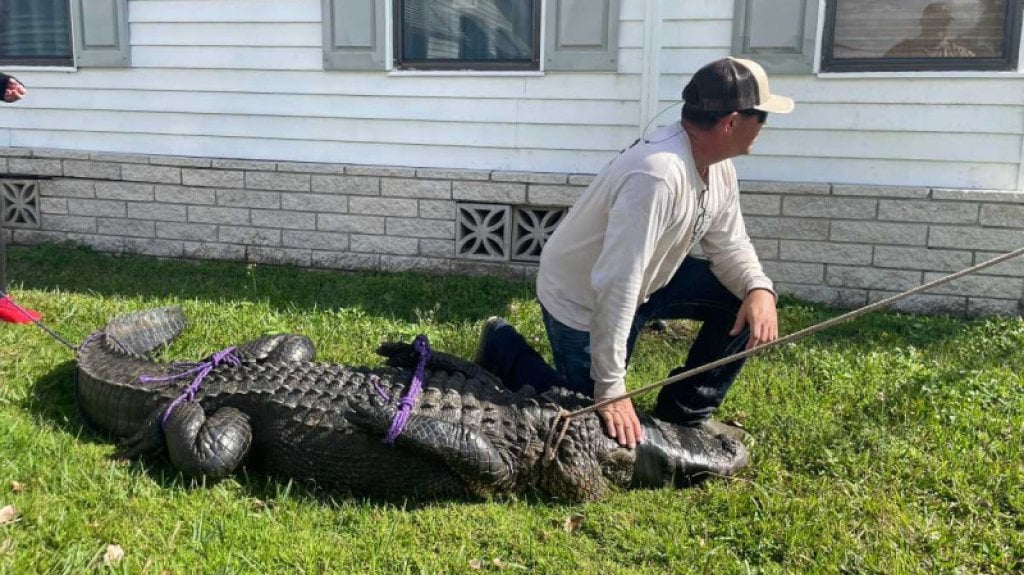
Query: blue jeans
[(693, 293)]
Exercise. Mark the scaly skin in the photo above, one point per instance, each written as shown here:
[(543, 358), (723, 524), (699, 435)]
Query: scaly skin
[(284, 414)]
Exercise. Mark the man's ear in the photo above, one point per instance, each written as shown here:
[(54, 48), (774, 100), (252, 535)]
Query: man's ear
[(728, 123)]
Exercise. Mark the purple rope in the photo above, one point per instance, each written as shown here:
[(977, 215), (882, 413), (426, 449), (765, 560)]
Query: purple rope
[(201, 370), (421, 345), (383, 393)]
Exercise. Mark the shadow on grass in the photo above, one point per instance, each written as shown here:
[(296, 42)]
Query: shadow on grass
[(451, 298), (876, 330), (403, 296), (53, 400), (266, 489)]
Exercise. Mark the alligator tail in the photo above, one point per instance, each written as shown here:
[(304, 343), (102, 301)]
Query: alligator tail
[(142, 332)]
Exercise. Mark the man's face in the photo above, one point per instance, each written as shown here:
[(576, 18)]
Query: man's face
[(745, 130), (936, 18)]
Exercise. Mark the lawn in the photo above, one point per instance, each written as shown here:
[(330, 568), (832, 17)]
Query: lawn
[(890, 444)]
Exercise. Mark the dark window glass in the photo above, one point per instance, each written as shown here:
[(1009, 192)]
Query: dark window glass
[(884, 35), (35, 32), (467, 34)]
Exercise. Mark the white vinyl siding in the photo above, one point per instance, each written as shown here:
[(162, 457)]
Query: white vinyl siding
[(926, 131), (245, 79)]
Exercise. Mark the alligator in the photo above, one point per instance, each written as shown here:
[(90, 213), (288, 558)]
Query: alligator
[(273, 409)]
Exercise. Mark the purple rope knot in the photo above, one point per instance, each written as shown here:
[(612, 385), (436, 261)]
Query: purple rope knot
[(422, 346), (200, 371)]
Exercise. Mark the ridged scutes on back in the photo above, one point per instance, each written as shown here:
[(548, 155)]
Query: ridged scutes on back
[(141, 332)]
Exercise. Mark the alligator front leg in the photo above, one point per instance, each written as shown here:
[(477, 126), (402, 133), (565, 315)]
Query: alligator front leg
[(201, 446), (287, 348), (464, 451), (400, 354)]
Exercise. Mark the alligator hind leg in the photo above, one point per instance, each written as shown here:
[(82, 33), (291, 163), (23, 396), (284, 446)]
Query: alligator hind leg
[(282, 347), (201, 446)]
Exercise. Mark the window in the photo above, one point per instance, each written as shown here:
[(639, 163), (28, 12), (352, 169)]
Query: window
[(35, 32), (882, 35), (467, 34)]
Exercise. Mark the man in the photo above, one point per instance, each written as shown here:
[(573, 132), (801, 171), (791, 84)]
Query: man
[(620, 259), (13, 89), (933, 41)]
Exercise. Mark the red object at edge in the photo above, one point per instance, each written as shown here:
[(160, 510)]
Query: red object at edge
[(11, 313)]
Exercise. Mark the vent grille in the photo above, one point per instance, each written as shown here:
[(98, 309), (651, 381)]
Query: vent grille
[(19, 203)]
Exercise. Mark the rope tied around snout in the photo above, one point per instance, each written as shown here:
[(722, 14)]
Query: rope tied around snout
[(556, 433), (200, 370)]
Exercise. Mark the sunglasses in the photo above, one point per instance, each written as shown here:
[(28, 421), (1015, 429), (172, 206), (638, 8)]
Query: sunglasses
[(762, 116)]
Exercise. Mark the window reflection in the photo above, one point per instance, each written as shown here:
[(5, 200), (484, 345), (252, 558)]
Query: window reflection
[(476, 30), (919, 29)]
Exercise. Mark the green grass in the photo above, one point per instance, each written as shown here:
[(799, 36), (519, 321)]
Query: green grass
[(891, 444)]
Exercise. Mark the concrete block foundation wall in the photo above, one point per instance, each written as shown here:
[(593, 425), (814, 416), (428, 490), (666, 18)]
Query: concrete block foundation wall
[(850, 245), (844, 245)]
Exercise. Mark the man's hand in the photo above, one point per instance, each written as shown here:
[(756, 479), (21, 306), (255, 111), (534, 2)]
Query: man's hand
[(621, 422), (14, 91), (758, 312)]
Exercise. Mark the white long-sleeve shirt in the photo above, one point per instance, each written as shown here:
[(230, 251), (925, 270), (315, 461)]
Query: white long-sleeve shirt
[(627, 235)]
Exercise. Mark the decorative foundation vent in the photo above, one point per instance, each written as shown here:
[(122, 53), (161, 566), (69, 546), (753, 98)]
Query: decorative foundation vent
[(498, 232), (531, 229), (19, 203)]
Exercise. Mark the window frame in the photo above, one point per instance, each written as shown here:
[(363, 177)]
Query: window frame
[(398, 63), (1008, 62), (49, 61)]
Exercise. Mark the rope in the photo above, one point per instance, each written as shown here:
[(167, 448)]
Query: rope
[(52, 333), (421, 345), (559, 427), (792, 337), (201, 370), (381, 392)]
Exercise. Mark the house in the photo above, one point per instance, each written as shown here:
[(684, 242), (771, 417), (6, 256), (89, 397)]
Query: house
[(450, 135)]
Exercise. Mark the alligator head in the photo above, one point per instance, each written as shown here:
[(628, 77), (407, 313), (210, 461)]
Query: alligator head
[(682, 455)]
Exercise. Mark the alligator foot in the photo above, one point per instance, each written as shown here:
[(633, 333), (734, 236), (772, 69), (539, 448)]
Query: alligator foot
[(400, 354), (148, 441), (201, 446)]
